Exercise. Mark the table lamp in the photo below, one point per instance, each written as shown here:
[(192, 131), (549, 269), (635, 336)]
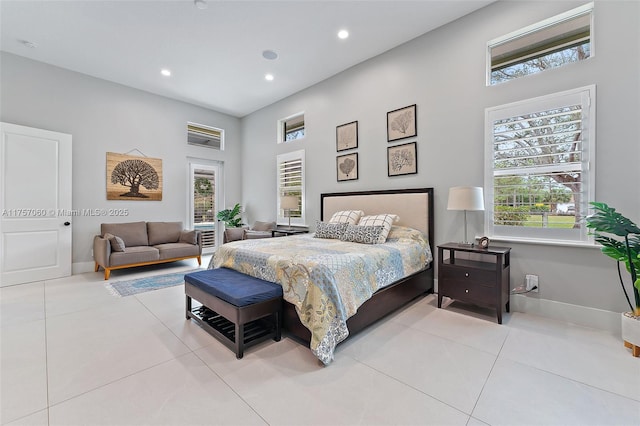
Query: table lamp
[(465, 198), (288, 203)]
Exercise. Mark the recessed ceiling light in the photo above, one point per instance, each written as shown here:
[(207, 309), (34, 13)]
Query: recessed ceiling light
[(29, 44), (200, 4), (268, 77), (270, 55), (343, 34), (165, 72)]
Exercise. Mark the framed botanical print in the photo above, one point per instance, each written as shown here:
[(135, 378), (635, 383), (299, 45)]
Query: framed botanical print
[(347, 167), (402, 159), (347, 136), (401, 123)]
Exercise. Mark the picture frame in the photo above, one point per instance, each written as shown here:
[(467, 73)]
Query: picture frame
[(347, 167), (121, 170), (401, 123), (347, 136), (402, 159)]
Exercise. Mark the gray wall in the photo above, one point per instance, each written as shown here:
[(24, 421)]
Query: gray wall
[(107, 117), (443, 72)]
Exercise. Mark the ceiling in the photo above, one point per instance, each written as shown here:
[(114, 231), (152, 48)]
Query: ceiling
[(215, 54)]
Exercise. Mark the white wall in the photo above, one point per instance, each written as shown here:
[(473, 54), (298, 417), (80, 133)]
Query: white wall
[(443, 72), (107, 117)]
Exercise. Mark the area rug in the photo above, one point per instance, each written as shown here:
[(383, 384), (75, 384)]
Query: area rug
[(141, 285)]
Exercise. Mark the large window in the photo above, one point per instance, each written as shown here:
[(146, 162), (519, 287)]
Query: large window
[(548, 44), (540, 167), (291, 183)]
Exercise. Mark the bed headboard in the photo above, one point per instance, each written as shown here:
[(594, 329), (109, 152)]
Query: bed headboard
[(414, 206)]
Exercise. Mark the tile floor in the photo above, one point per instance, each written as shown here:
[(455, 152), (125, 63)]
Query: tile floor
[(73, 354)]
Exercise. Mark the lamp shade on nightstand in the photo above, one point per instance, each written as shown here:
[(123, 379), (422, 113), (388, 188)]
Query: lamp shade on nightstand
[(288, 202), (466, 198)]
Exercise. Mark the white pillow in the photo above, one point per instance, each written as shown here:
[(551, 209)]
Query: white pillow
[(384, 220), (347, 216)]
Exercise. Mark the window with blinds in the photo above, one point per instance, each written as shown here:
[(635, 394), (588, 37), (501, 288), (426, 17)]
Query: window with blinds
[(291, 183), (540, 163), (201, 135), (291, 128), (552, 43)]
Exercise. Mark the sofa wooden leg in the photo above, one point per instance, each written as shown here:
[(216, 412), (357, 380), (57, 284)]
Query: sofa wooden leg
[(635, 350), (107, 273), (199, 261), (97, 267)]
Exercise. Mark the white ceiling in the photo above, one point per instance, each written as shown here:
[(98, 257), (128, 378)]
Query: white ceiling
[(215, 54)]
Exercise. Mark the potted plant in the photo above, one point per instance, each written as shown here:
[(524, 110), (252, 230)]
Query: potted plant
[(231, 217), (625, 249)]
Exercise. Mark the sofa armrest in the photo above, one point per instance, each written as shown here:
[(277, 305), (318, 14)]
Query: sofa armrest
[(199, 241), (101, 251)]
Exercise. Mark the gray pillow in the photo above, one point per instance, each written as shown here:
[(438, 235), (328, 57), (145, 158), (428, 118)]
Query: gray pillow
[(362, 234), (117, 244), (330, 230), (188, 237)]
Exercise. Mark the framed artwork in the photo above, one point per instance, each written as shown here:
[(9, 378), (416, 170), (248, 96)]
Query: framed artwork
[(133, 178), (401, 123), (347, 167), (347, 136), (402, 159)]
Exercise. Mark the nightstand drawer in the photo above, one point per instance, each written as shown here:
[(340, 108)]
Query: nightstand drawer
[(472, 276), (471, 293)]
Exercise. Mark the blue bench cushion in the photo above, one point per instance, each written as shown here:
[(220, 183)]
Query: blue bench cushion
[(234, 287)]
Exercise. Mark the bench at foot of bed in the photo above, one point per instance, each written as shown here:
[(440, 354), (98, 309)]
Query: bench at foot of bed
[(238, 310)]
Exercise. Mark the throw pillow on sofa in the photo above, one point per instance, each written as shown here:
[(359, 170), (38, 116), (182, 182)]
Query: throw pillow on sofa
[(188, 237), (117, 243)]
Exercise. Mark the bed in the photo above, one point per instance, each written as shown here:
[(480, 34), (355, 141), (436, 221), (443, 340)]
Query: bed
[(335, 288)]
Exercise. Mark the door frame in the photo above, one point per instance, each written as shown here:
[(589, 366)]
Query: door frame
[(217, 167)]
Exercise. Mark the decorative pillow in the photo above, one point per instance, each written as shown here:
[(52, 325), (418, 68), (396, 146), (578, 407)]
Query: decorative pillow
[(362, 234), (189, 237), (117, 244), (347, 216), (384, 220), (330, 230), (404, 232)]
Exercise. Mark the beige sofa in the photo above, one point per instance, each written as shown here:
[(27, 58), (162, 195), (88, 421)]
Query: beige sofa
[(124, 245)]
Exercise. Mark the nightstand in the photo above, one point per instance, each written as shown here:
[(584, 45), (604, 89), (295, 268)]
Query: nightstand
[(286, 231), (483, 282)]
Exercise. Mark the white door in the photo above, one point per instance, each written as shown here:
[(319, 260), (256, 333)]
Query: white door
[(35, 201)]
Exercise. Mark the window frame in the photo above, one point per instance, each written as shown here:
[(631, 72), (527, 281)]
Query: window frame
[(282, 125), (281, 218), (587, 98), (540, 28), (202, 129)]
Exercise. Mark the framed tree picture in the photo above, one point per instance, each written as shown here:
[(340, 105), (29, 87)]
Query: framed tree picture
[(347, 167), (133, 178), (401, 123), (402, 159), (347, 136)]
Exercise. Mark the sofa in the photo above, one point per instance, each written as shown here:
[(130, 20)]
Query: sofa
[(125, 245), (258, 230)]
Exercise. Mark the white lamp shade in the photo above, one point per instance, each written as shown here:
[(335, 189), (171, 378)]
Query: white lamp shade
[(465, 198), (288, 202)]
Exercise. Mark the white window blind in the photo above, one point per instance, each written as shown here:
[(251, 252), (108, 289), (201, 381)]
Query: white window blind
[(540, 166), (201, 135), (291, 182)]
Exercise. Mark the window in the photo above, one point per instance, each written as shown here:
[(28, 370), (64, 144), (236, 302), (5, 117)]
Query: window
[(540, 167), (204, 196), (291, 182), (548, 44), (201, 135), (291, 128)]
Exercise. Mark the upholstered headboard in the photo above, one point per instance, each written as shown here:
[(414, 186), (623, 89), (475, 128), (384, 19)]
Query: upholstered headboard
[(414, 206)]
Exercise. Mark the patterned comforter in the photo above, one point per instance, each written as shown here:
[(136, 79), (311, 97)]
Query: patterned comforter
[(327, 279)]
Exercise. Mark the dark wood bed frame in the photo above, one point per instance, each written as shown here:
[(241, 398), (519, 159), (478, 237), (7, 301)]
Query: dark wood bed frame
[(385, 300)]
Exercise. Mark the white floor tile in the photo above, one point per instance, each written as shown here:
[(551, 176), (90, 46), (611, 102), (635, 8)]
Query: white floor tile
[(41, 418), (76, 293), (518, 394), (446, 370), (23, 370), (90, 348), (21, 303), (286, 385), (183, 391)]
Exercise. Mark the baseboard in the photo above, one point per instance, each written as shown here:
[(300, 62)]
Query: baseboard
[(82, 267), (575, 314)]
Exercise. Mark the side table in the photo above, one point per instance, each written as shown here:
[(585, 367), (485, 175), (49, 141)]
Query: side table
[(279, 231)]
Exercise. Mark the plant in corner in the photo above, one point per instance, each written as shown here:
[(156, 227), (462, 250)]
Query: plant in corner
[(231, 217), (625, 249)]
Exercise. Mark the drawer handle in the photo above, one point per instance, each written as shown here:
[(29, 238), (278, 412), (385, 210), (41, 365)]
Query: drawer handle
[(466, 290), (466, 274)]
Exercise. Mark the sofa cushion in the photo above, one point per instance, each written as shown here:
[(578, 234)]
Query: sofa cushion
[(174, 250), (117, 243), (263, 226), (132, 255), (132, 233), (188, 237), (163, 232)]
